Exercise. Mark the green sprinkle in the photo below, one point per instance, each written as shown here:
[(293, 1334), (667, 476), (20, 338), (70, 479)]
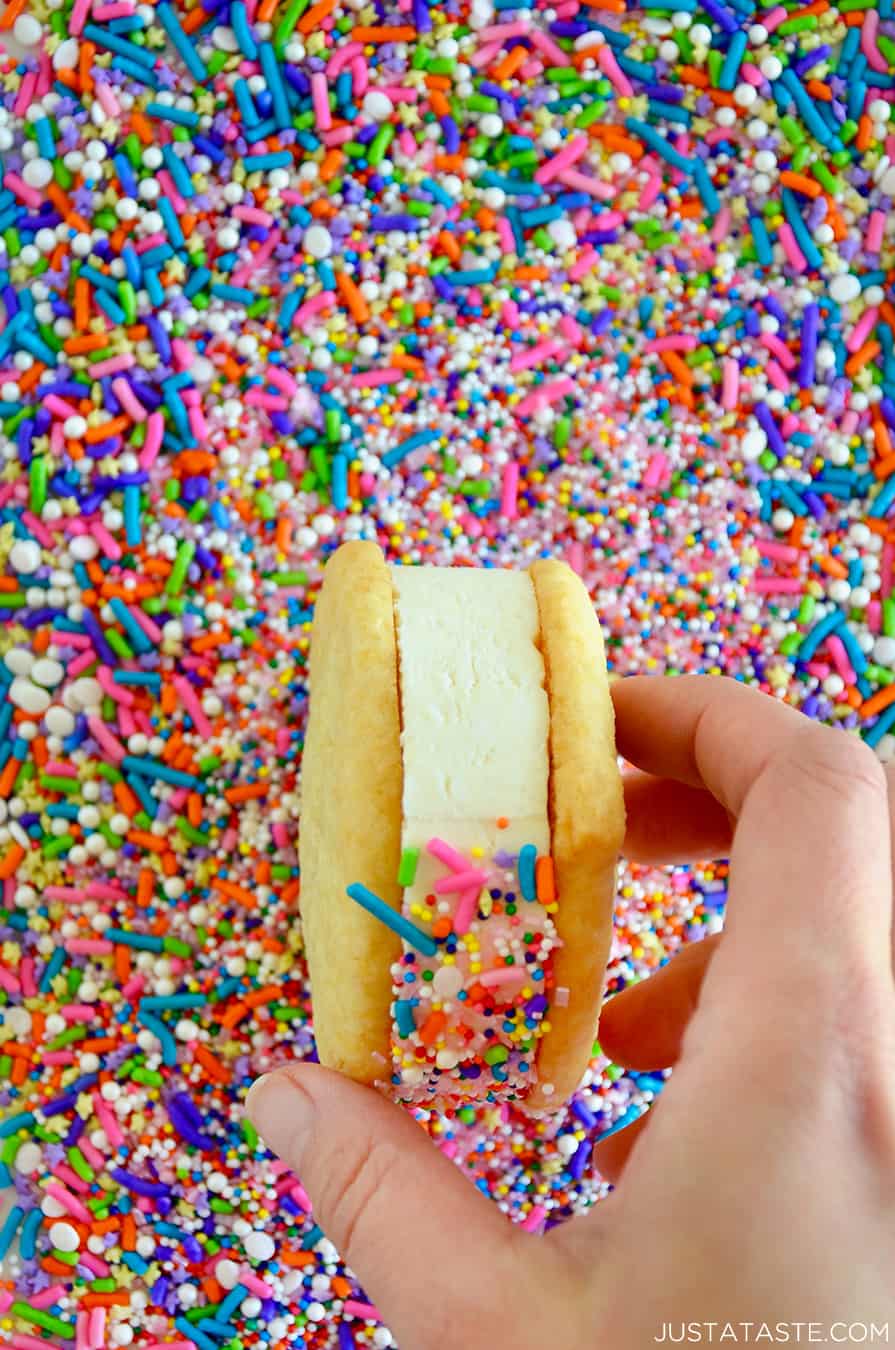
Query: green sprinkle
[(185, 552), (38, 479), (38, 1318), (407, 867)]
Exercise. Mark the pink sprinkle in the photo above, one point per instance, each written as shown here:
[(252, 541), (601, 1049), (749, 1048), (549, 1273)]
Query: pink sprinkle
[(58, 770), (342, 58), (794, 255), (862, 329), (20, 1341), (534, 1218), (449, 856), (113, 365), (26, 976), (613, 71), (465, 912), (81, 663), (96, 1159), (80, 10), (502, 32), (777, 377), (655, 470), (874, 616), (106, 97), (64, 892), (29, 195), (371, 379), (70, 1203), (167, 184), (94, 1263), (869, 27), (282, 380), (730, 384), (873, 237), (254, 1284), (9, 982), (27, 91), (116, 692), (485, 54), (89, 947), (575, 557), (59, 407), (39, 530), (365, 1310), (155, 429), (109, 546), (721, 225), (99, 890), (584, 182), (780, 350), (767, 585), (96, 1330), (193, 706), (107, 1121), (58, 1057), (836, 648), (509, 490), (650, 192), (555, 56), (675, 342), (460, 881), (100, 732), (313, 306), (47, 1297), (128, 400), (504, 975), (253, 215), (772, 548), (78, 1012), (320, 100), (563, 159)]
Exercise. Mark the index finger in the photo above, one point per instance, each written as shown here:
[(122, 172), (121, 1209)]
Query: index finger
[(810, 889)]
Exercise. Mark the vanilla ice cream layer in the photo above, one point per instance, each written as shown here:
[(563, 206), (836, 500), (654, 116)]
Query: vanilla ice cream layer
[(475, 725)]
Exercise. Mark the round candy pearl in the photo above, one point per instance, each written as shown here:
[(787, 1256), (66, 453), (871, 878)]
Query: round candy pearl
[(845, 287), (317, 241), (64, 1237), (28, 696), (25, 556), (259, 1246), (447, 982)]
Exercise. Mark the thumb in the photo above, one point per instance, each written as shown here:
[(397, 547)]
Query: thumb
[(428, 1247)]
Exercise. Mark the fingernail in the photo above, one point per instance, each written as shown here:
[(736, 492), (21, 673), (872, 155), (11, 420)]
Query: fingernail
[(281, 1112)]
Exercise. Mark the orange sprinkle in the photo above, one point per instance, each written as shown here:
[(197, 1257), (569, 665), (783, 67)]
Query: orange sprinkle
[(374, 35), (864, 356), (234, 892), (871, 706), (212, 1066), (800, 182), (545, 882), (312, 19), (12, 858), (11, 13), (432, 1028), (246, 793)]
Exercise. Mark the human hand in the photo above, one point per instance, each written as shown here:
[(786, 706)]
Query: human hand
[(760, 1186)]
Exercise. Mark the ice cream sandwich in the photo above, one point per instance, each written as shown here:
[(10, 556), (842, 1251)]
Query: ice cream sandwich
[(462, 813)]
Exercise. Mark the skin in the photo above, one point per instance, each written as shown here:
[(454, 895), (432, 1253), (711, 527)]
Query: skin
[(760, 1186)]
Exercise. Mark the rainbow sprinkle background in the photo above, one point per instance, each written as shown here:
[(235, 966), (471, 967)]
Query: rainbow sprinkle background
[(483, 280)]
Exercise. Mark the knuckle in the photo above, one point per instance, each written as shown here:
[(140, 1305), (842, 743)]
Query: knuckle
[(835, 761), (350, 1190)]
